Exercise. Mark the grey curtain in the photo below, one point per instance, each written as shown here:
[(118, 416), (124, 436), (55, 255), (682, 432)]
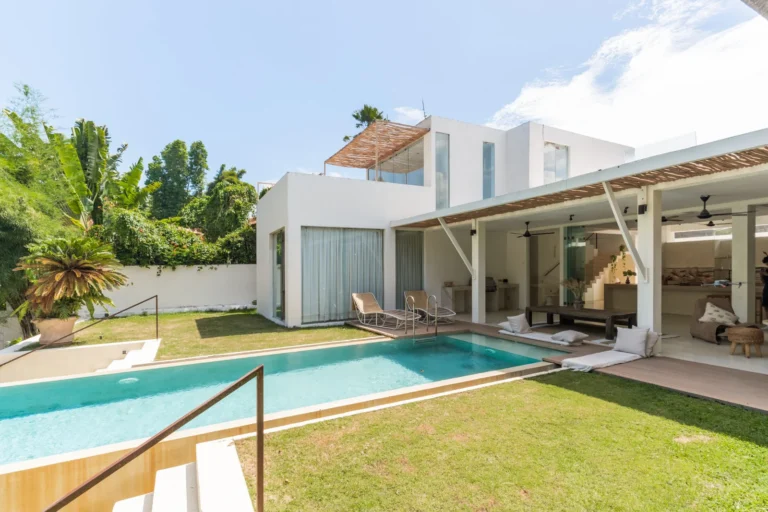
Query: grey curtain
[(335, 263), (408, 263)]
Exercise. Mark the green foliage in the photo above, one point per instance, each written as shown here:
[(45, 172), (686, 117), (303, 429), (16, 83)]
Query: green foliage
[(181, 174), (239, 246), (193, 213), (126, 192), (365, 116), (264, 192), (228, 208), (139, 240), (67, 274), (231, 175)]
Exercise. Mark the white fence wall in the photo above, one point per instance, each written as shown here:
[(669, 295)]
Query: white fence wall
[(186, 288)]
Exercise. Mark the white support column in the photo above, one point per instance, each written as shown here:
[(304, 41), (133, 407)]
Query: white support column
[(478, 272), (562, 269), (743, 264), (649, 250)]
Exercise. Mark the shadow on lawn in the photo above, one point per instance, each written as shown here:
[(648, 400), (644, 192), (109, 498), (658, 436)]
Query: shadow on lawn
[(751, 426), (235, 324)]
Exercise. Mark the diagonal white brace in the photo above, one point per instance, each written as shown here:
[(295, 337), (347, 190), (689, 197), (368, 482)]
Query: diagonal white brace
[(628, 240), (457, 247)]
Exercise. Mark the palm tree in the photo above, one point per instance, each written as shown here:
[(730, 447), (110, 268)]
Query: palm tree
[(365, 116), (229, 176), (67, 274)]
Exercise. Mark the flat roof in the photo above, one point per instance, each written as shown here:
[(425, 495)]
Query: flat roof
[(741, 151), (379, 141)]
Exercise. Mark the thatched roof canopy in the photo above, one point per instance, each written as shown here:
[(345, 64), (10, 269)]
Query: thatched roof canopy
[(376, 143)]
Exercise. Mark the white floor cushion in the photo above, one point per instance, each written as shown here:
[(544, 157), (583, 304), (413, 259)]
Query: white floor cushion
[(599, 360)]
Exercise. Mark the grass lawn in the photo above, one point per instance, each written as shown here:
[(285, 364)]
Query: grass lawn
[(565, 441), (196, 334)]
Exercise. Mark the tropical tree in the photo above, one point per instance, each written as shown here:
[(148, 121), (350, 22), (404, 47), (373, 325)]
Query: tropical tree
[(182, 175), (365, 116), (126, 191), (231, 175), (67, 274)]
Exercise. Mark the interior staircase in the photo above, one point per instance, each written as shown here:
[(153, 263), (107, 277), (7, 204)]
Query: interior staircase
[(598, 274), (213, 483)]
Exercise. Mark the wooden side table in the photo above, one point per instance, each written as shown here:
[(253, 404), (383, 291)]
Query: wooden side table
[(747, 337)]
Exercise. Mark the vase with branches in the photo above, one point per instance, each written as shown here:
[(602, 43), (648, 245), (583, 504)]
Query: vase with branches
[(578, 288)]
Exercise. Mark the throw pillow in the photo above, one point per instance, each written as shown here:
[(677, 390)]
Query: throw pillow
[(570, 337), (718, 315), (505, 326), (518, 324), (652, 346), (631, 341)]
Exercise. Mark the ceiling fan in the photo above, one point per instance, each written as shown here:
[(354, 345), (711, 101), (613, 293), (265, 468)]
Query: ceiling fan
[(528, 234), (673, 218), (711, 224), (705, 214)]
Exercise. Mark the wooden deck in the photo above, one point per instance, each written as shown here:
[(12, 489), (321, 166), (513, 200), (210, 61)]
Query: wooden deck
[(735, 387), (721, 384)]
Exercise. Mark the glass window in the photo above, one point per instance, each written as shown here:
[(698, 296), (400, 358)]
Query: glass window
[(489, 169), (406, 167), (555, 162), (443, 169)]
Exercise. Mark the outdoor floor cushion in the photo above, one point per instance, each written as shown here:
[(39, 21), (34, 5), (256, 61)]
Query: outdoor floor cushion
[(538, 336), (599, 360)]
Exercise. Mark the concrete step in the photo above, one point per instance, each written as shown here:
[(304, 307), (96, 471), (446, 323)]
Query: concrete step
[(220, 481), (176, 489), (141, 503)]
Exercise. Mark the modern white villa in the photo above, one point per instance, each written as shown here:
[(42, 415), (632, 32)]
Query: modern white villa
[(444, 205)]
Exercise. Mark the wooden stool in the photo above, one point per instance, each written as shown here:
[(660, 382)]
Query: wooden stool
[(747, 337)]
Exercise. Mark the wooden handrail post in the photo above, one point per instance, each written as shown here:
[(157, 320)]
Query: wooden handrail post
[(260, 439)]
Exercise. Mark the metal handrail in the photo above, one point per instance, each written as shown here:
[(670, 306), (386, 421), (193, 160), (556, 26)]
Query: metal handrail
[(108, 317), (257, 372), (550, 270)]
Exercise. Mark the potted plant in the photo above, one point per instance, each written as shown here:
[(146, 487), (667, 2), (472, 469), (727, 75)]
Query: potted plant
[(65, 275), (577, 287), (628, 274)]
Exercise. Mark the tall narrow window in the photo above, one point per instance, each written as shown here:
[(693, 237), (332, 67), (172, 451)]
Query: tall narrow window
[(555, 162), (443, 169), (489, 169)]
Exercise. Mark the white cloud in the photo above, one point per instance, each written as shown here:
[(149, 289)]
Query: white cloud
[(408, 115), (667, 77)]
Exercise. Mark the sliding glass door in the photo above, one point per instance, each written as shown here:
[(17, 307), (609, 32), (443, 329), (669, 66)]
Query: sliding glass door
[(409, 263), (335, 263)]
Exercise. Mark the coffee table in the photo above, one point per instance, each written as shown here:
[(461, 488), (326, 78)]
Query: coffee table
[(568, 314)]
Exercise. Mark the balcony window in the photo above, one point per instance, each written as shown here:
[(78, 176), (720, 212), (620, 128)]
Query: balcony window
[(443, 169), (555, 162), (405, 167), (489, 169)]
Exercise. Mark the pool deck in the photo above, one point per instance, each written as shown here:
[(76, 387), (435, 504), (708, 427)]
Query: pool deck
[(718, 383)]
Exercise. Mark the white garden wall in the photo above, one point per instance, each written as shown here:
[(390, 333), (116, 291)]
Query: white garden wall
[(186, 288), (9, 328)]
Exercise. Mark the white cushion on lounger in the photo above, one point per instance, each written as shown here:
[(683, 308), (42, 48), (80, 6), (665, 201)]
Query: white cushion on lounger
[(652, 347), (570, 337), (632, 341), (599, 360), (518, 324)]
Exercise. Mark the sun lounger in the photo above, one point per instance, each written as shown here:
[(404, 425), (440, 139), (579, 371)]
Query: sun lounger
[(370, 313), (599, 360), (427, 314)]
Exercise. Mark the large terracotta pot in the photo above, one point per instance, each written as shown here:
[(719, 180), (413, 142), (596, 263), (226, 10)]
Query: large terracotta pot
[(51, 329)]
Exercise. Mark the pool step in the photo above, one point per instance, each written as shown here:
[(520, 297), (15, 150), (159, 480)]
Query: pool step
[(214, 483), (176, 489), (141, 503)]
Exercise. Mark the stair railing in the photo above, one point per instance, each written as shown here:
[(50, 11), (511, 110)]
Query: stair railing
[(257, 373), (410, 305), (428, 299), (108, 317)]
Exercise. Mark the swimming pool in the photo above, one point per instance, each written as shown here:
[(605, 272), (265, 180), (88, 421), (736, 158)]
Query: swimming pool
[(49, 418)]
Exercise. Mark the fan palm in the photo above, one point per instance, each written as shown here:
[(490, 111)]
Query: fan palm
[(67, 274), (364, 117)]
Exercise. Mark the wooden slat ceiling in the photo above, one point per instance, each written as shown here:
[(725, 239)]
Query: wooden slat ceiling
[(707, 166), (387, 136)]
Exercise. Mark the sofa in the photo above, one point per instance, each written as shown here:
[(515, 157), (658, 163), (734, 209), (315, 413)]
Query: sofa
[(709, 331)]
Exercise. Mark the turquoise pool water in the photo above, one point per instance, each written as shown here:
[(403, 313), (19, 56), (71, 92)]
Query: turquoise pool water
[(38, 420)]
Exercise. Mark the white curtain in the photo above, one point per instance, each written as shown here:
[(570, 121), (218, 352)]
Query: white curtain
[(408, 266), (335, 263)]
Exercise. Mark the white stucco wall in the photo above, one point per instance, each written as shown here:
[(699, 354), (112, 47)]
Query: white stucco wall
[(324, 201), (186, 288)]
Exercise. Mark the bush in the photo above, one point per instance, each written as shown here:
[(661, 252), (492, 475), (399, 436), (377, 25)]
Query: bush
[(139, 240)]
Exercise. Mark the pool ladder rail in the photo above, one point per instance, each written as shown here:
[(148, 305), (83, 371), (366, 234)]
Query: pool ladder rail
[(410, 305)]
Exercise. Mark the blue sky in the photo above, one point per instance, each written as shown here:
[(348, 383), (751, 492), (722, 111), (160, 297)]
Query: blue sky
[(270, 86)]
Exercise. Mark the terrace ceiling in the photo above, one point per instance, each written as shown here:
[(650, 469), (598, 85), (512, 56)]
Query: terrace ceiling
[(379, 141)]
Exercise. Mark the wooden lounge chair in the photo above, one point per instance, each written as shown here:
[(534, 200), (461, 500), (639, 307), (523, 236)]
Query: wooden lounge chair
[(427, 314), (370, 313)]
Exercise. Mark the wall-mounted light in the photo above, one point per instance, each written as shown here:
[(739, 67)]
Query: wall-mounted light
[(626, 210), (570, 217), (472, 232)]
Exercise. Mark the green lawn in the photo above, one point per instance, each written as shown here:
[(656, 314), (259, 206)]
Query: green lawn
[(565, 441), (196, 334)]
